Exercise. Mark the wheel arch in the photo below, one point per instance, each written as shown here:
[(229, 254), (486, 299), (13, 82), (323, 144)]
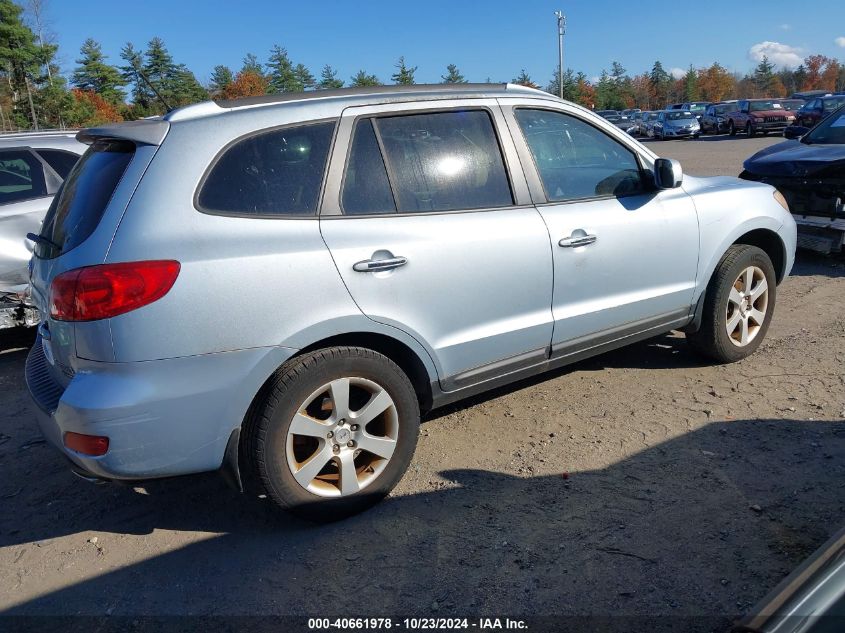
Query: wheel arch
[(772, 244), (765, 238)]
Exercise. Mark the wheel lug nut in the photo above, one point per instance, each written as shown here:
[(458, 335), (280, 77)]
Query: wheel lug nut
[(336, 448), (330, 435), (354, 427), (350, 444)]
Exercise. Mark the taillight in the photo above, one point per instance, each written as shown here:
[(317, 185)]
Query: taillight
[(107, 290), (93, 445)]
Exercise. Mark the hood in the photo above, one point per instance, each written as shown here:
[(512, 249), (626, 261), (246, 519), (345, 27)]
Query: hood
[(794, 158), (773, 113)]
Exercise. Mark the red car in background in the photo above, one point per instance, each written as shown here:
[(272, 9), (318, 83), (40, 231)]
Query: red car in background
[(754, 116)]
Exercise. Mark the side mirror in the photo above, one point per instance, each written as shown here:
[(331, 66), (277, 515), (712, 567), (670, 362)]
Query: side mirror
[(668, 173)]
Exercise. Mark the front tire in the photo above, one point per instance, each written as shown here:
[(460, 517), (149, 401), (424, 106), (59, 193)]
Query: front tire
[(333, 432), (749, 130), (738, 305), (732, 128)]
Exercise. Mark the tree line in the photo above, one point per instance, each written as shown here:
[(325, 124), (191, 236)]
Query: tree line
[(148, 81)]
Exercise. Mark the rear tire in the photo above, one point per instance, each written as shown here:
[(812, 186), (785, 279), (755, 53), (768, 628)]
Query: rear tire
[(308, 438), (738, 305)]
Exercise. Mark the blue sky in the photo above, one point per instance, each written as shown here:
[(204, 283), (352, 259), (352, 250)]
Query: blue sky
[(492, 39)]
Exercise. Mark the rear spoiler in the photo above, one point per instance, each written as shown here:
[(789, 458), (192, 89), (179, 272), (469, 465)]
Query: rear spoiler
[(144, 131)]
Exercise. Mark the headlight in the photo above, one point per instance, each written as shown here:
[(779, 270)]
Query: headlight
[(790, 118), (720, 119), (781, 200)]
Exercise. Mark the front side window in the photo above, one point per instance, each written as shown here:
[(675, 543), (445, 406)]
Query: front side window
[(576, 160), (21, 177), (277, 173), (444, 161)]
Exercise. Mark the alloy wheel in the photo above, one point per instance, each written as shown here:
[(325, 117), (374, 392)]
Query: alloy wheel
[(342, 437), (747, 305)]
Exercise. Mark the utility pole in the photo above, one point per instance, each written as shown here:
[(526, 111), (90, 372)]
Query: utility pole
[(561, 30)]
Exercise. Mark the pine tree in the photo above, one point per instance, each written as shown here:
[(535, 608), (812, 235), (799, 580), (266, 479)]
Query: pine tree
[(403, 75), (252, 65), (453, 75), (21, 60), (764, 76), (362, 79), (524, 79), (691, 91), (221, 77), (93, 73), (329, 79), (281, 73), (570, 87), (660, 82), (304, 79), (132, 74)]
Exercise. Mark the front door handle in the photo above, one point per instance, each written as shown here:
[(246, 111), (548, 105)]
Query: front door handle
[(379, 265), (577, 240)]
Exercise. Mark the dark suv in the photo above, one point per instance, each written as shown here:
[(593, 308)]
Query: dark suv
[(817, 109)]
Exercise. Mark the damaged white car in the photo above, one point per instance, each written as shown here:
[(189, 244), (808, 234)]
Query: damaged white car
[(33, 166)]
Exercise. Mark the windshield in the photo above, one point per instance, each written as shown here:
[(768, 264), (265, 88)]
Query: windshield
[(764, 106), (792, 104), (697, 107), (679, 115), (831, 131), (613, 117), (722, 109)]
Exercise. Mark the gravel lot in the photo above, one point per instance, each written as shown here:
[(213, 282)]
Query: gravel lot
[(641, 482)]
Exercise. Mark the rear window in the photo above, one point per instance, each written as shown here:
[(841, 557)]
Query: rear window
[(274, 173), (61, 162), (79, 206)]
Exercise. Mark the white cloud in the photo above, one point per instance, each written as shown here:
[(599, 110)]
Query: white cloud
[(785, 27), (781, 55), (595, 80), (677, 73), (840, 41)]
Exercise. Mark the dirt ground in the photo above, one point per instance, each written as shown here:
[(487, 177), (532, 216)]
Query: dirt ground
[(641, 482)]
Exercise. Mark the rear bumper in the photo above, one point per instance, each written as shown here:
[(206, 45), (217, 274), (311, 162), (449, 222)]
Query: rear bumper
[(163, 418)]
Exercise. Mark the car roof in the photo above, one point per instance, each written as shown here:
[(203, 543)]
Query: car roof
[(359, 96), (60, 140)]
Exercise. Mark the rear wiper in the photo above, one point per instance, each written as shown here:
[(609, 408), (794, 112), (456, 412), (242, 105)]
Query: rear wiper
[(40, 239)]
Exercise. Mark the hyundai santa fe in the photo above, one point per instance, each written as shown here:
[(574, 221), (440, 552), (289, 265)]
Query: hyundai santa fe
[(277, 286)]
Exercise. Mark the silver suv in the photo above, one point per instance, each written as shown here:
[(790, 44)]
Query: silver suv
[(278, 286)]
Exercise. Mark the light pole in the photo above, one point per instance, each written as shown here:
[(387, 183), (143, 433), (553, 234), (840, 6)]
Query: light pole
[(561, 29)]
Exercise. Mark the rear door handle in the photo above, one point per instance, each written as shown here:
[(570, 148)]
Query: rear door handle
[(577, 240), (378, 265)]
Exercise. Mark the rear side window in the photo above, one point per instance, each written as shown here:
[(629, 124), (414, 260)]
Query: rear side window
[(444, 161), (271, 173), (79, 206), (21, 177), (61, 162)]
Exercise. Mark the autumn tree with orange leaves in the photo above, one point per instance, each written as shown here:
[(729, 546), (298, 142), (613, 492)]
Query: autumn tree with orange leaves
[(247, 83)]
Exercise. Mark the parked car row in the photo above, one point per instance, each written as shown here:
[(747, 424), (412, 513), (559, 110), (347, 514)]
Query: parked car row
[(792, 117)]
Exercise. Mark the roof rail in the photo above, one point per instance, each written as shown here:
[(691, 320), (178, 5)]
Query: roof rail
[(374, 90)]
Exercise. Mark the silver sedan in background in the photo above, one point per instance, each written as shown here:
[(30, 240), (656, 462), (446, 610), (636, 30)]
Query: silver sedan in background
[(33, 166)]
